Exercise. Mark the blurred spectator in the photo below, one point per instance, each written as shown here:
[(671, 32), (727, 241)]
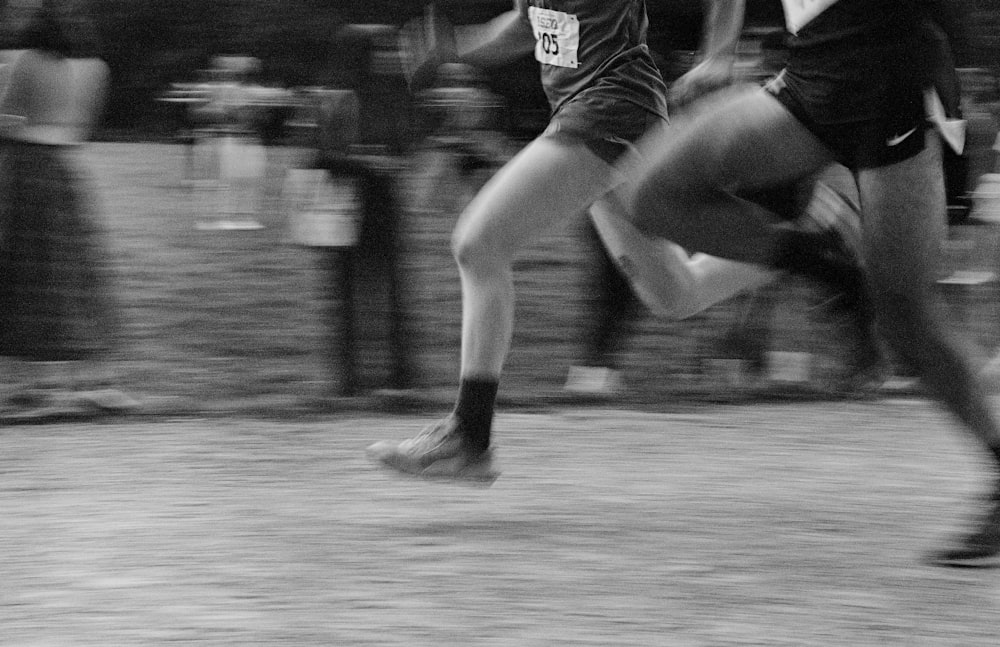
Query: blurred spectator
[(345, 203), (195, 121), (214, 106), (242, 158), (56, 301), (464, 144), (370, 63), (338, 121), (184, 100)]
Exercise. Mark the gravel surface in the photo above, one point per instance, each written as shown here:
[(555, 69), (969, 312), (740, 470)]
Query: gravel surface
[(789, 524)]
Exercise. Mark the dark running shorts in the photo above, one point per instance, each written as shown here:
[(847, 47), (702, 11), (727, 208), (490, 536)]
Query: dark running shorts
[(606, 125), (896, 135)]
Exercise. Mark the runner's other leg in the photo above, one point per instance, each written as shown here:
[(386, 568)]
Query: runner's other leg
[(738, 144), (546, 183), (904, 230)]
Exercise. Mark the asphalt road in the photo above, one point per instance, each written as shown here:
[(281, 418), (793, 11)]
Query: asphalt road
[(792, 524)]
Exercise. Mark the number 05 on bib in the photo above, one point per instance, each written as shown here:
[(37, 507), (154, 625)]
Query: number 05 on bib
[(557, 37)]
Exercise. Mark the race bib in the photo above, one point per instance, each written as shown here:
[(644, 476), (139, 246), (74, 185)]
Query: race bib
[(557, 37), (799, 13)]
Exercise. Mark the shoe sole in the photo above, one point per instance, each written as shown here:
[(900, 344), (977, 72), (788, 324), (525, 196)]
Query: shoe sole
[(464, 477), (470, 481), (478, 480), (948, 561)]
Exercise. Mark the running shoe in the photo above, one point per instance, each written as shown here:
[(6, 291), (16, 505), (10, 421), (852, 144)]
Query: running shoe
[(831, 211), (834, 220), (825, 257), (438, 452), (979, 549), (867, 366)]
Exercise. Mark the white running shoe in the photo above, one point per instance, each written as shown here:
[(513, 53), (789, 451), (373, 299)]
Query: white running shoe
[(440, 451)]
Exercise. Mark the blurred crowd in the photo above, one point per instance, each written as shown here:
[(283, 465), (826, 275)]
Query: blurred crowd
[(454, 128)]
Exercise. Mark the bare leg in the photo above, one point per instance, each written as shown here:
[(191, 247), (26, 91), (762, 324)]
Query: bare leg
[(718, 279), (904, 228), (739, 143), (669, 282), (547, 183)]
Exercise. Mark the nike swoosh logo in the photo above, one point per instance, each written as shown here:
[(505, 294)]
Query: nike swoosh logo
[(899, 139)]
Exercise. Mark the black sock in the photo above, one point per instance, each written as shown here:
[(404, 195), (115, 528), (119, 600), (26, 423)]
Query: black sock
[(476, 398), (811, 255), (815, 254), (801, 252)]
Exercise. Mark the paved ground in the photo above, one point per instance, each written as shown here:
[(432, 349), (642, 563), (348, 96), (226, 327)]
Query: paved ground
[(791, 524)]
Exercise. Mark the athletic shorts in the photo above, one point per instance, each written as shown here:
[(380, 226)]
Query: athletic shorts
[(607, 125), (896, 134)]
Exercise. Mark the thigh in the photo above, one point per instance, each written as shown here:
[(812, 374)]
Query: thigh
[(546, 183), (741, 141), (905, 219)]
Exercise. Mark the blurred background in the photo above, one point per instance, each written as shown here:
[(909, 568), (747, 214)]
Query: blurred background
[(226, 306), (152, 44)]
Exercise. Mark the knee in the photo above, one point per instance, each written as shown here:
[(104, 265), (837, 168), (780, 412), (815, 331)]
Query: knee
[(462, 247), (473, 251)]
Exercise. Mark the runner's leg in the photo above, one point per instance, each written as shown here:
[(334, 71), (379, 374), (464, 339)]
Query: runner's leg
[(545, 184), (739, 143), (904, 226), (549, 181)]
